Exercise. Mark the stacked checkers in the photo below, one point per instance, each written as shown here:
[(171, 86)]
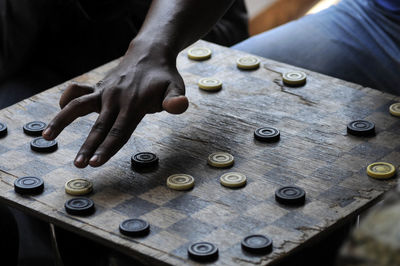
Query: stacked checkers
[(259, 244), (144, 160), (381, 170), (79, 206), (267, 134), (29, 185), (3, 130), (134, 227), (203, 251), (361, 128), (34, 128), (41, 145), (294, 78), (290, 195)]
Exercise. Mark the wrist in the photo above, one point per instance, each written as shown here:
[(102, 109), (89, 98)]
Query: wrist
[(155, 48)]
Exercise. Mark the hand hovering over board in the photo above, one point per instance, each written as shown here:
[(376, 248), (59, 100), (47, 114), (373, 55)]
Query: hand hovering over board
[(146, 80)]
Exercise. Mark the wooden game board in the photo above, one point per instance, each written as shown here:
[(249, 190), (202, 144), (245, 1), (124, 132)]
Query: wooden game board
[(314, 153)]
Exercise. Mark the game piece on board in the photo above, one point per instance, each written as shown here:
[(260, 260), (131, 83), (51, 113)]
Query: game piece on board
[(79, 206), (180, 182), (220, 159), (3, 130), (210, 84), (203, 251), (394, 109), (290, 195), (248, 62), (29, 185), (199, 53), (34, 128), (144, 160), (257, 244), (134, 227), (361, 128), (78, 187), (381, 170), (41, 145), (233, 180), (267, 134), (294, 78)]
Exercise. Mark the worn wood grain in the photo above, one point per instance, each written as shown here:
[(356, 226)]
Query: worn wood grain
[(314, 153)]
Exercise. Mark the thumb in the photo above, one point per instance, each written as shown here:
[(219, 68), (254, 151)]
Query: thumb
[(175, 101), (74, 91)]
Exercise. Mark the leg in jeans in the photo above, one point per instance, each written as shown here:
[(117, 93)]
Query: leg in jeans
[(354, 40)]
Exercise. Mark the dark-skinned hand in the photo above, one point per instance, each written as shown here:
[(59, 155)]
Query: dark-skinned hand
[(144, 82)]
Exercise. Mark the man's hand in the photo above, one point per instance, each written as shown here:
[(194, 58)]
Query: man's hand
[(144, 82)]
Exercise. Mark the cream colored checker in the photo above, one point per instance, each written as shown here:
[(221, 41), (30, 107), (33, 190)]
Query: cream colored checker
[(394, 109), (248, 62), (294, 78), (381, 170), (180, 182), (78, 186), (210, 84), (233, 179), (220, 159), (199, 53)]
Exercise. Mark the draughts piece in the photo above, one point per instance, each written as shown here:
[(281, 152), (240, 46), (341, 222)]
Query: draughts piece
[(220, 159), (203, 251), (134, 227), (361, 128), (3, 130), (248, 62), (78, 187), (199, 53), (79, 206), (144, 160), (294, 78), (381, 170), (394, 109), (267, 134), (210, 84), (41, 145), (34, 128), (29, 185), (257, 244), (180, 182), (233, 180), (290, 195)]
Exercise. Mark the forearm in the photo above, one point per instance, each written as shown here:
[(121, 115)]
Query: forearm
[(174, 24)]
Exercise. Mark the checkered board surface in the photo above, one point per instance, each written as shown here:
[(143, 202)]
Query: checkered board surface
[(314, 153)]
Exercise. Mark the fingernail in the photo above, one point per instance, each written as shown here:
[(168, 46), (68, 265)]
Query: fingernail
[(80, 159), (95, 159), (47, 132)]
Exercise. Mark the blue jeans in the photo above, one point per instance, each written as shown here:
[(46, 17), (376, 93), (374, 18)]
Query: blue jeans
[(356, 40)]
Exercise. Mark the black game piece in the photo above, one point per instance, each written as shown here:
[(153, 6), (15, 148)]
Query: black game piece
[(3, 130), (257, 244), (144, 160), (290, 195), (41, 145), (134, 227), (29, 185), (267, 134), (361, 128), (79, 206), (203, 251), (34, 128)]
